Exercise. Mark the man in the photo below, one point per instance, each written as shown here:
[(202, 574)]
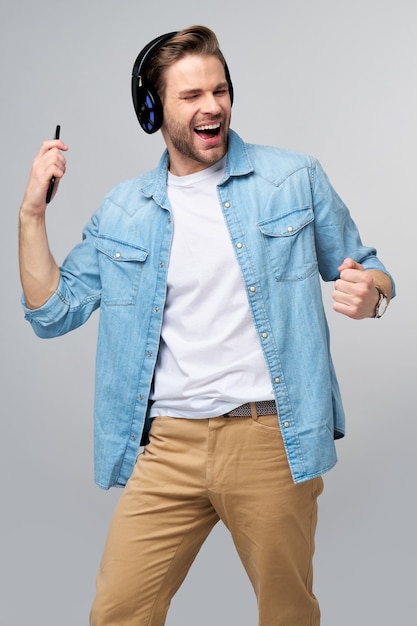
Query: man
[(213, 346)]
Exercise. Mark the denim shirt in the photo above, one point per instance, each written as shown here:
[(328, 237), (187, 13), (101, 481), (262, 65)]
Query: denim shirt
[(288, 228)]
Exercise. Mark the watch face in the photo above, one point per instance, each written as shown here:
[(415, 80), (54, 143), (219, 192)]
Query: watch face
[(382, 306)]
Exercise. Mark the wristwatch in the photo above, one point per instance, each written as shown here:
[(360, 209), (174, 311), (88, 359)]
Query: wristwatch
[(381, 305)]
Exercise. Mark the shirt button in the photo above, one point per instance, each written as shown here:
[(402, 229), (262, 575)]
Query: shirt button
[(156, 309), (227, 205), (286, 424), (133, 438), (264, 335), (290, 229), (239, 245), (117, 255), (277, 380), (252, 289)]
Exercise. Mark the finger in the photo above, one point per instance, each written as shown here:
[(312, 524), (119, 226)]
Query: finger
[(56, 171), (353, 276), (47, 167), (349, 304), (54, 158), (52, 143), (354, 312), (344, 290), (357, 281)]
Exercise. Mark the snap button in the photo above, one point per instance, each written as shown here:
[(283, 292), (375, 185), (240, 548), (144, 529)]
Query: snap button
[(117, 255)]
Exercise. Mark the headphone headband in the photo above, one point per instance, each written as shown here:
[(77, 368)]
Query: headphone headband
[(146, 101), (141, 63)]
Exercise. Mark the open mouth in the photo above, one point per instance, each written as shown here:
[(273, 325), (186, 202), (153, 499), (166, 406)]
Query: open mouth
[(208, 131)]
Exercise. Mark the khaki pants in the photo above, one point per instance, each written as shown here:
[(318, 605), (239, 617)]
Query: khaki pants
[(193, 473)]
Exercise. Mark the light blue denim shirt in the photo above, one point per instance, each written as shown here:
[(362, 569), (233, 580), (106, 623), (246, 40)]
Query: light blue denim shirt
[(288, 227)]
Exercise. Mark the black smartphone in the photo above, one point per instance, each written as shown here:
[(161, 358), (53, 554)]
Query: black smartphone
[(52, 181)]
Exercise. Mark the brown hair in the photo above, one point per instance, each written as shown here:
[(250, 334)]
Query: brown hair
[(191, 40)]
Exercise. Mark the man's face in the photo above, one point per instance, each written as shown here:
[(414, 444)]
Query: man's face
[(197, 109)]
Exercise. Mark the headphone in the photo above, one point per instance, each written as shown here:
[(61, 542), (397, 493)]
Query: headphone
[(147, 103)]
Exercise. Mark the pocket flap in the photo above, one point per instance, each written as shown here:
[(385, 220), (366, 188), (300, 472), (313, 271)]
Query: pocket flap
[(120, 250), (289, 224)]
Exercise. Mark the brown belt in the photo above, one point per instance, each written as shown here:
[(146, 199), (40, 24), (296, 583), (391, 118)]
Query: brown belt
[(264, 407)]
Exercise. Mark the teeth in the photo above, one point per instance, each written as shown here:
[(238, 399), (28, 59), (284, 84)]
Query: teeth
[(208, 127)]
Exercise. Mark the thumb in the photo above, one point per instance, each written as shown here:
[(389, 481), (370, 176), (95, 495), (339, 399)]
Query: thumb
[(349, 264)]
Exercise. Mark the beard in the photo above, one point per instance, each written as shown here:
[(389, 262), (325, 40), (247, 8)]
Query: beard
[(183, 139)]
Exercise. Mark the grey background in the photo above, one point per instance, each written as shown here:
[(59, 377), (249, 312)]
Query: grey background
[(332, 78)]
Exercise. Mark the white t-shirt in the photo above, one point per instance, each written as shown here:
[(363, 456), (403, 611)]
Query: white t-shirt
[(210, 358)]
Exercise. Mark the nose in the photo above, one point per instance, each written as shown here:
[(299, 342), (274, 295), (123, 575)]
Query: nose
[(210, 103)]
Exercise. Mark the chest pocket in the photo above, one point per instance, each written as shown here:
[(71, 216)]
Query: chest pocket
[(289, 244), (121, 266)]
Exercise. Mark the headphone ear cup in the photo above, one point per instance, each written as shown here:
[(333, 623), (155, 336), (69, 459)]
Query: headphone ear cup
[(148, 108)]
